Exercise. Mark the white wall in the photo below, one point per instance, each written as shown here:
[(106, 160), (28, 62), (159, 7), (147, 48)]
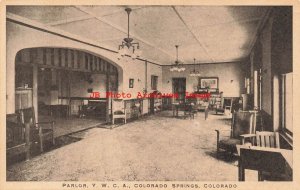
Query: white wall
[(135, 69), (231, 77), (79, 85), (157, 71), (20, 37)]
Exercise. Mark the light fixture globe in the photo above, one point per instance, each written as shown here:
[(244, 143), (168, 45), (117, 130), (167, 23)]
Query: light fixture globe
[(194, 73), (176, 66), (128, 47)]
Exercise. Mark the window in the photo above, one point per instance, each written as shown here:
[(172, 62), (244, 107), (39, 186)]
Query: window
[(287, 103), (52, 56), (59, 57), (66, 58), (44, 56), (86, 62), (72, 58), (154, 80), (91, 63)]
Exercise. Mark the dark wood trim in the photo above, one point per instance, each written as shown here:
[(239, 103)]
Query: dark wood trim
[(140, 59), (64, 68), (212, 63), (267, 121), (287, 139)]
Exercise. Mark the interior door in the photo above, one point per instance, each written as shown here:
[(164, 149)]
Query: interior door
[(179, 87)]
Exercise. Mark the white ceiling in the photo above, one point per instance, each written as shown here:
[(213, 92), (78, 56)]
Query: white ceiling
[(207, 33)]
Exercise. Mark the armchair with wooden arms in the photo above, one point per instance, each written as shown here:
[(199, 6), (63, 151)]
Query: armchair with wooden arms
[(42, 131), (242, 123), (17, 136), (118, 110), (269, 140)]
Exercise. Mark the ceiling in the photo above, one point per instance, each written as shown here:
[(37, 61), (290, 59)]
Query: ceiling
[(207, 33)]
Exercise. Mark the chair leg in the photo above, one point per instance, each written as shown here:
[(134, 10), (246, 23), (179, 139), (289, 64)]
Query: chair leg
[(27, 140), (53, 139), (206, 113), (218, 146), (41, 140), (42, 144), (260, 176)]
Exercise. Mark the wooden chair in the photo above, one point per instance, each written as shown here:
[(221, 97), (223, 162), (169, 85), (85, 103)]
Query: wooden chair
[(225, 104), (242, 123), (265, 139), (190, 110), (118, 110), (219, 105), (42, 131), (17, 136)]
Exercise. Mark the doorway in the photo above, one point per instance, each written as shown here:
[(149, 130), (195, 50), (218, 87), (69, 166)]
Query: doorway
[(23, 86), (179, 87)]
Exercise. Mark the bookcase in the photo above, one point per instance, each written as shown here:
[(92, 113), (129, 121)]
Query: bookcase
[(156, 104), (133, 108)]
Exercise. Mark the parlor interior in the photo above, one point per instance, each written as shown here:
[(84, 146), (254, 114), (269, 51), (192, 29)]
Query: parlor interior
[(60, 68)]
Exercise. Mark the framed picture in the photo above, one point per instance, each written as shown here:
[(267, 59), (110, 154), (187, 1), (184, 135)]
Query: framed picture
[(209, 83), (131, 81)]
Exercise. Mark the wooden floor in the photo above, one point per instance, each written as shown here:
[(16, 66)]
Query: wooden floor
[(157, 148)]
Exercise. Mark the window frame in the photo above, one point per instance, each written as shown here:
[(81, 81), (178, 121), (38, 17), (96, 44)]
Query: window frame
[(154, 82), (284, 129)]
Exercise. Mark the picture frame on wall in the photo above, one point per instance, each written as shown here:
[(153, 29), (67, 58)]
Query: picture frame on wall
[(131, 82), (209, 83)]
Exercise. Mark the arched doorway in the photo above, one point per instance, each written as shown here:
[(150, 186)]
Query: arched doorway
[(58, 83)]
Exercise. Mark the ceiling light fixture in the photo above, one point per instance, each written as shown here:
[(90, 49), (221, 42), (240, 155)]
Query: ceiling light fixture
[(177, 66), (194, 73), (128, 47)]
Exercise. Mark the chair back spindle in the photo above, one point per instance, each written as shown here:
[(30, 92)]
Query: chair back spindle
[(267, 139)]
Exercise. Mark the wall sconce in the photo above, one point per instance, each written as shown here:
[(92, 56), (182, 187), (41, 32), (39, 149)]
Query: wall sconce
[(139, 80), (231, 81)]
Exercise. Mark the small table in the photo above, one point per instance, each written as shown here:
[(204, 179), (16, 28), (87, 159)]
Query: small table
[(176, 107), (265, 159)]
